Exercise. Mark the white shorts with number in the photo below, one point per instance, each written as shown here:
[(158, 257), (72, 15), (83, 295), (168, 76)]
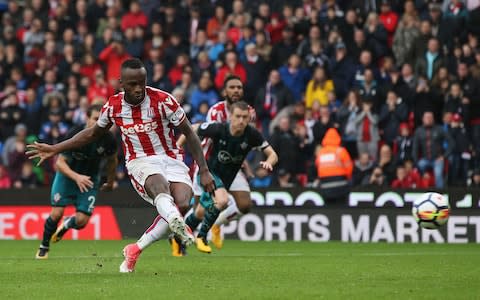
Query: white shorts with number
[(239, 184), (173, 170)]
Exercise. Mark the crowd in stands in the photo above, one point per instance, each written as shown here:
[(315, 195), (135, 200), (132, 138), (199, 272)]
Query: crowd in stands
[(398, 80)]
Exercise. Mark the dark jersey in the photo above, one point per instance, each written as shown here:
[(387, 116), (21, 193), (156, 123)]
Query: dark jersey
[(228, 152), (87, 159)]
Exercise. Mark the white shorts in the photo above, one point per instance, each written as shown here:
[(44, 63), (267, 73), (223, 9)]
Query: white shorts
[(239, 184), (173, 170)]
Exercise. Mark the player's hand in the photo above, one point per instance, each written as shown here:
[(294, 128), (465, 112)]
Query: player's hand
[(266, 165), (40, 150), (207, 182), (107, 186), (84, 183)]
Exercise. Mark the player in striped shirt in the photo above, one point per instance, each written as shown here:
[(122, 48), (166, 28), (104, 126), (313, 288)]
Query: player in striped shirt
[(146, 118)]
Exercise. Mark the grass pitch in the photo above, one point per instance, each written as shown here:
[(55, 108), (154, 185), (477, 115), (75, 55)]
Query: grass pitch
[(242, 270)]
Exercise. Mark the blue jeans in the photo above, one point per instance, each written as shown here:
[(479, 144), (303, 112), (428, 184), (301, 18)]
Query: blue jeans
[(437, 165)]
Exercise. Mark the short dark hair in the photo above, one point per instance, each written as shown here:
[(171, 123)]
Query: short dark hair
[(228, 78), (92, 108), (242, 105), (132, 63)]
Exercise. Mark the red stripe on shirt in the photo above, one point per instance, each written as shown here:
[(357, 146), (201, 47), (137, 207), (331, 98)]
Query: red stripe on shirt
[(142, 136), (160, 131), (127, 144)]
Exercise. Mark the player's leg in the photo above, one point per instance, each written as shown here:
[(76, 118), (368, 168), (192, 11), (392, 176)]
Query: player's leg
[(239, 203), (77, 222), (212, 210), (49, 229), (84, 204)]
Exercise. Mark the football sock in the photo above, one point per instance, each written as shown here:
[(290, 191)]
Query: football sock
[(158, 228), (211, 214), (48, 230), (71, 223), (228, 214), (166, 206), (192, 221)]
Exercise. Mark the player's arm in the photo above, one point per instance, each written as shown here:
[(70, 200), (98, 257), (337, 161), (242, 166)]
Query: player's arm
[(111, 169), (182, 139), (86, 136), (193, 143), (272, 158), (83, 182)]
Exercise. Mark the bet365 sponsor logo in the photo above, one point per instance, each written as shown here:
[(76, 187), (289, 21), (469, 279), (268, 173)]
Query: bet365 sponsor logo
[(139, 128)]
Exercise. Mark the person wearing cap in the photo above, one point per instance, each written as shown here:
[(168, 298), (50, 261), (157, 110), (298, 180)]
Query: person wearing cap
[(459, 160), (342, 68)]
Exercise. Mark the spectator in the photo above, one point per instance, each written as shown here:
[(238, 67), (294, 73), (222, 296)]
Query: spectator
[(217, 23), (377, 178), (367, 134), (376, 35), (401, 180), (134, 41), (10, 143), (368, 89), (346, 117), (322, 125), (113, 56), (460, 157), (5, 181), (475, 181), (256, 69), (392, 113), (175, 73), (201, 115), (428, 142), (405, 38), (201, 44), (135, 17), (431, 61), (389, 20), (317, 58), (159, 80), (342, 69), (204, 93), (26, 178), (100, 90), (282, 50), (387, 162), (362, 169), (294, 76), (286, 146), (402, 146), (54, 129), (271, 99), (318, 88), (421, 41), (231, 66), (334, 167)]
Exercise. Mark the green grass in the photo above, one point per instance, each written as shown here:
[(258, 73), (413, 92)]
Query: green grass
[(260, 270)]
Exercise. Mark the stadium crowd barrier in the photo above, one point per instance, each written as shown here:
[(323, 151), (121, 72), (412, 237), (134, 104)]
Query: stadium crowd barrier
[(368, 215)]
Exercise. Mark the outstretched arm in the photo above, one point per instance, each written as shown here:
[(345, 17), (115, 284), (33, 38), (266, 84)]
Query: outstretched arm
[(193, 143), (45, 151)]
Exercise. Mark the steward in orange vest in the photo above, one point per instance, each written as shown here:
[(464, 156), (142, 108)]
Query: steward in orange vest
[(334, 167)]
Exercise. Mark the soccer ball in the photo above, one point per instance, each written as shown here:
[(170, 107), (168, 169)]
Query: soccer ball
[(431, 210)]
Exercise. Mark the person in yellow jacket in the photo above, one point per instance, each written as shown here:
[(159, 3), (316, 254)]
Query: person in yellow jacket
[(334, 167), (318, 88)]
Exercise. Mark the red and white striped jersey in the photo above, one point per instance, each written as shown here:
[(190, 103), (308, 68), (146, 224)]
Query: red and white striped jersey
[(146, 128)]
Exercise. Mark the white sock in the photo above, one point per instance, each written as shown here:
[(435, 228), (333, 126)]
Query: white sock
[(166, 207), (158, 228), (230, 213)]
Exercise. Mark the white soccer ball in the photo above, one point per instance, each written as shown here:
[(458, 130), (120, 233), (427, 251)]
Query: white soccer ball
[(431, 210)]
